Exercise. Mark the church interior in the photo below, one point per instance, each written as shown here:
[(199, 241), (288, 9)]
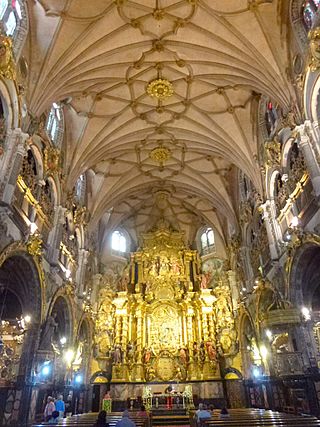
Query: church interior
[(171, 241)]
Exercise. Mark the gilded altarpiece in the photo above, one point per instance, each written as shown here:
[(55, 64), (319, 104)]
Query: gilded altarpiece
[(162, 323)]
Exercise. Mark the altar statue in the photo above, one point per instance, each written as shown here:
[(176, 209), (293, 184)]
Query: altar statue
[(211, 351), (183, 355), (117, 355), (130, 351), (147, 355)]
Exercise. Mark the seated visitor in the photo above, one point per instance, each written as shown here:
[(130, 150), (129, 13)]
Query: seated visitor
[(55, 418), (102, 420), (202, 413), (125, 420), (143, 413), (224, 413)]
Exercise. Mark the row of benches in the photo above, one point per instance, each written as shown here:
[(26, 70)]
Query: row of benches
[(87, 420), (237, 418), (259, 418)]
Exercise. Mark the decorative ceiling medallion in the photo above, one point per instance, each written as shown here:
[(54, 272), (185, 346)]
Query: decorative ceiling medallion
[(160, 88), (160, 154)]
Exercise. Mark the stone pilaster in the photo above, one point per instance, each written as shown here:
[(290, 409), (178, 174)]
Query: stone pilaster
[(82, 262), (305, 143), (55, 234), (272, 227), (11, 163)]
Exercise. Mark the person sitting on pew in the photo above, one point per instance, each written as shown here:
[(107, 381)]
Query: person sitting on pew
[(224, 413), (143, 413), (202, 413), (125, 420), (102, 420)]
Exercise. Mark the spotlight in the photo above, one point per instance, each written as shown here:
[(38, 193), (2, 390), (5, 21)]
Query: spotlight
[(27, 318), (256, 372), (63, 340), (263, 352), (46, 368), (78, 379), (306, 313), (269, 334), (68, 356)]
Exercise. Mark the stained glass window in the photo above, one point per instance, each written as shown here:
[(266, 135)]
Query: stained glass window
[(3, 7), (80, 189), (55, 125), (10, 15), (118, 242), (309, 11)]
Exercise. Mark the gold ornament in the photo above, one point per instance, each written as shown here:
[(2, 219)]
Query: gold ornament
[(160, 155), (34, 245), (314, 37), (160, 88), (7, 64), (51, 159)]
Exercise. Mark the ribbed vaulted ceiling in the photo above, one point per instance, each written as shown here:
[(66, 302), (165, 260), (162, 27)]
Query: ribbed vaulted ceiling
[(217, 55)]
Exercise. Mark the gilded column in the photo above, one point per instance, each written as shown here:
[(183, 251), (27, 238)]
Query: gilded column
[(184, 328), (199, 328), (211, 327), (139, 337), (124, 331), (190, 337), (118, 329), (138, 371), (204, 324)]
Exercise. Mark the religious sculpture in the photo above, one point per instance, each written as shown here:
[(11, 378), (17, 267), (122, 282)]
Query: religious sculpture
[(48, 331)]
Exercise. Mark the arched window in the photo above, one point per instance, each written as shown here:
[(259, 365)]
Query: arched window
[(118, 242), (55, 125), (80, 189), (309, 11), (10, 15), (207, 241)]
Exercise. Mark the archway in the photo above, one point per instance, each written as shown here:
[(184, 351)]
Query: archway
[(20, 316), (81, 365), (304, 292)]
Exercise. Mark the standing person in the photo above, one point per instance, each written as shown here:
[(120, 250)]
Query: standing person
[(102, 420), (60, 406), (125, 420), (69, 404), (49, 409)]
